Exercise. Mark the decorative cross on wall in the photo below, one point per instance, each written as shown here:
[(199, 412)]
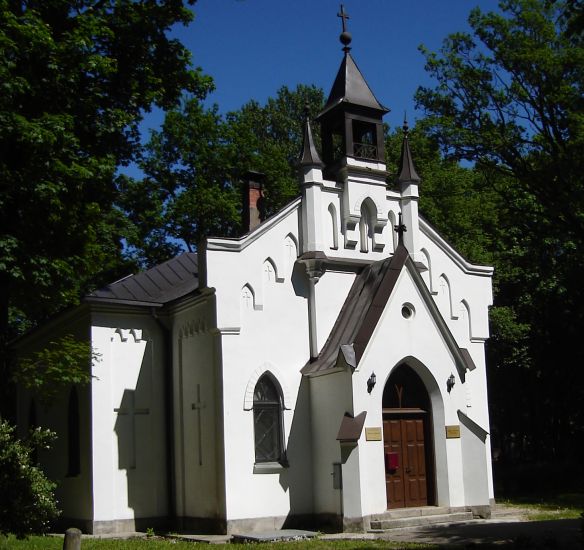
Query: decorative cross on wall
[(269, 270), (246, 297), (290, 246), (131, 411), (198, 406)]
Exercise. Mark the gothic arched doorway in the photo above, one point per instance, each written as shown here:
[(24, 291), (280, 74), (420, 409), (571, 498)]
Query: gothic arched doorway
[(407, 440)]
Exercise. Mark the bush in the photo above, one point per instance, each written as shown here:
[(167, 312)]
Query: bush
[(27, 501)]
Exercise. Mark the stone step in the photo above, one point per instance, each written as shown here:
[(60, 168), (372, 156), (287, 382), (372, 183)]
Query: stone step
[(419, 521), (414, 512)]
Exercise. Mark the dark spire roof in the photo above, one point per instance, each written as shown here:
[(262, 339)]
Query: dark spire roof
[(309, 153), (350, 87), (407, 170)]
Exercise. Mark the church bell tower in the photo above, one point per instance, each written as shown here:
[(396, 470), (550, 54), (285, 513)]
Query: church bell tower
[(351, 121), (353, 156)]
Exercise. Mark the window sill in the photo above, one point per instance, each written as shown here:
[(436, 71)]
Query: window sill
[(269, 468)]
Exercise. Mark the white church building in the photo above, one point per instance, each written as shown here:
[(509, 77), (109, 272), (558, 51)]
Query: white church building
[(327, 367)]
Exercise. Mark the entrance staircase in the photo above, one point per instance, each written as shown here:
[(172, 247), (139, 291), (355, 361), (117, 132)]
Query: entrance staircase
[(417, 517)]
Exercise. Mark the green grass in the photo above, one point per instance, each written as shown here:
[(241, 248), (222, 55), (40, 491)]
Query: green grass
[(560, 506), (154, 543)]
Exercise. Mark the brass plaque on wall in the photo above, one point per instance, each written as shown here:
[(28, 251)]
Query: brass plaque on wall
[(373, 434), (452, 432)]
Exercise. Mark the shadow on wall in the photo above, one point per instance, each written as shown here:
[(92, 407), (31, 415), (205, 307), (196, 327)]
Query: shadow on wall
[(140, 429), (297, 479), (299, 281)]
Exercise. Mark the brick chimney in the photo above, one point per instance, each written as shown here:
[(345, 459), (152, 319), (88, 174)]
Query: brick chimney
[(252, 200)]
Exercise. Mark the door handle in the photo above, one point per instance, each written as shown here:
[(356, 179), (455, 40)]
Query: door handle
[(408, 470)]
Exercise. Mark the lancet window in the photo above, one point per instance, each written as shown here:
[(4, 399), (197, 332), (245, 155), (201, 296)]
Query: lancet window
[(268, 421)]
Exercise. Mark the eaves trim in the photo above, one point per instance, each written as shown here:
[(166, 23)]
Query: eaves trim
[(448, 249), (62, 319), (239, 244)]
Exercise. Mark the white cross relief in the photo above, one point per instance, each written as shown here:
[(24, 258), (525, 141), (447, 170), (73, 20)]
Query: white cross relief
[(198, 406), (462, 311), (291, 248), (269, 271), (247, 297), (131, 411), (442, 286)]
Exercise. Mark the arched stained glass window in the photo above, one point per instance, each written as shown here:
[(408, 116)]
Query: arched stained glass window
[(268, 421)]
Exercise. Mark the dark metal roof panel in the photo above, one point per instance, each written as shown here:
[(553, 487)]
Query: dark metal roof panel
[(159, 285), (309, 153), (350, 87), (351, 427), (361, 311), (469, 363), (407, 170)]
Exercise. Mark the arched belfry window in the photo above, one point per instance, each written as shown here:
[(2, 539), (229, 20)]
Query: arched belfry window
[(368, 214), (73, 435), (268, 421), (364, 140)]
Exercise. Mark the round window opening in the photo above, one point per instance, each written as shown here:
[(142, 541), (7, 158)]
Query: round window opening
[(407, 311)]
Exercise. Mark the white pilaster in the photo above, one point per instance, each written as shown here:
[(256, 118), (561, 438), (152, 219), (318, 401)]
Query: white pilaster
[(312, 226), (410, 218)]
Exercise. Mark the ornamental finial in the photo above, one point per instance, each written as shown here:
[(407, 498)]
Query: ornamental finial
[(345, 36), (406, 127)]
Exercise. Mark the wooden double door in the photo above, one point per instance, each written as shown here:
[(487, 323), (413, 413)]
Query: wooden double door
[(406, 459)]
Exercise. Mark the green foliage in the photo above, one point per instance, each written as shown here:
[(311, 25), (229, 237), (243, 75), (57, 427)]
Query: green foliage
[(76, 77), (268, 139), (459, 201), (509, 99), (49, 371), (186, 192), (27, 503), (53, 543), (193, 167)]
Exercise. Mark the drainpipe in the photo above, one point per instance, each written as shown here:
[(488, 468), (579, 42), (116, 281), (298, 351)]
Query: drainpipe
[(315, 265)]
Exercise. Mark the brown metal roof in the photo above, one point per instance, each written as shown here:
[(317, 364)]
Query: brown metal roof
[(350, 87), (156, 286), (351, 427), (360, 313)]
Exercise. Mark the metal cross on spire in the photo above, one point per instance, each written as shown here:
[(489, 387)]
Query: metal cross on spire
[(406, 126), (345, 36), (400, 229), (344, 16)]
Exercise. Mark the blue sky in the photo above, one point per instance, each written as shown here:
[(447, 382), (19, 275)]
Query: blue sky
[(252, 47)]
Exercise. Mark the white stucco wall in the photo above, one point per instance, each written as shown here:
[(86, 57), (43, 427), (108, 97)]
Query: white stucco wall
[(129, 468), (197, 383), (331, 398), (262, 319)]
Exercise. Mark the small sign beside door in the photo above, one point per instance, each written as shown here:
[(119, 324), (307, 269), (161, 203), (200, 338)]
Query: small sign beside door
[(373, 434), (453, 432)]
